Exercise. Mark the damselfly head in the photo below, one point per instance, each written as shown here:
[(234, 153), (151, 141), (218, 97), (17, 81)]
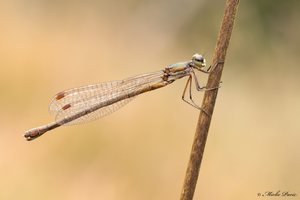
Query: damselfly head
[(198, 61)]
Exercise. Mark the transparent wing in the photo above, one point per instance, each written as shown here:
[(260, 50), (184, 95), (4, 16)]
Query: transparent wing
[(80, 94), (70, 102)]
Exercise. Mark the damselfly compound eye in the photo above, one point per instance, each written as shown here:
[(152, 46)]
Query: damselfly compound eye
[(198, 60)]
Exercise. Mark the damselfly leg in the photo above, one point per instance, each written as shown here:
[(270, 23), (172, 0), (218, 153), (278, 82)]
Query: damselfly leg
[(198, 87), (210, 69), (191, 102)]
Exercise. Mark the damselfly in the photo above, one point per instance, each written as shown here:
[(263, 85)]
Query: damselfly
[(87, 103)]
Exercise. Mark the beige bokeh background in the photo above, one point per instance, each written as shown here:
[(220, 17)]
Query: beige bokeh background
[(141, 151)]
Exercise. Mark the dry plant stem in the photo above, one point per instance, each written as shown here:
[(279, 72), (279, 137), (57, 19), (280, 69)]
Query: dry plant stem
[(209, 101)]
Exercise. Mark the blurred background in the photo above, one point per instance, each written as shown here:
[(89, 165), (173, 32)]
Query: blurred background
[(142, 151)]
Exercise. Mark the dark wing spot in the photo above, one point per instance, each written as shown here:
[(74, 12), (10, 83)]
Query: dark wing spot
[(60, 95), (65, 107)]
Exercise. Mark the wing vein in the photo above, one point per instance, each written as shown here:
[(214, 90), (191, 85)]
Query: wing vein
[(70, 102)]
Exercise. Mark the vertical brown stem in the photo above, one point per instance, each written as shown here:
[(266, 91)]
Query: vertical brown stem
[(209, 100)]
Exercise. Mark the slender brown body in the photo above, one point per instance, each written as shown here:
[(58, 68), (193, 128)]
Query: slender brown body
[(161, 79)]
